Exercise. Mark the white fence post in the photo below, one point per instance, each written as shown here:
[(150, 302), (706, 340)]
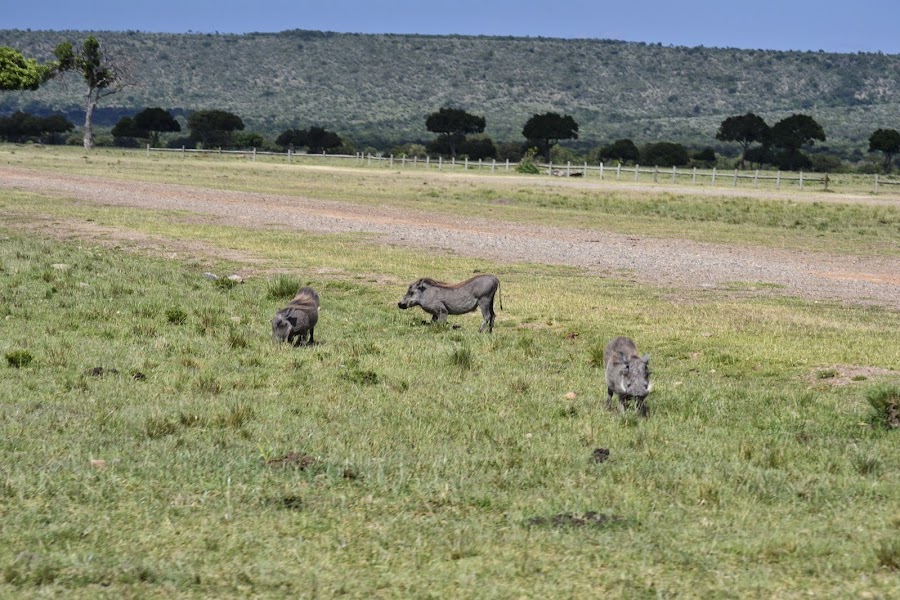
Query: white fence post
[(601, 171), (778, 180), (756, 179), (636, 168), (507, 164), (392, 161), (148, 149), (493, 165), (568, 168), (403, 162), (550, 168), (876, 183), (801, 180), (440, 162), (673, 173), (656, 174), (585, 169), (427, 161), (694, 176), (734, 181), (618, 170)]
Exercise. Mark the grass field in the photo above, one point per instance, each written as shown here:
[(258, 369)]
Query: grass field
[(154, 441)]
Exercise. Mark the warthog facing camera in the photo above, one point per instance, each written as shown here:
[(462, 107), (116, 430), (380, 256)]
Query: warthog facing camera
[(441, 299), (297, 321), (627, 374)]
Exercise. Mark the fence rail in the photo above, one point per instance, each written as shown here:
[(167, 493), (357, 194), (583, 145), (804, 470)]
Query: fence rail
[(636, 173)]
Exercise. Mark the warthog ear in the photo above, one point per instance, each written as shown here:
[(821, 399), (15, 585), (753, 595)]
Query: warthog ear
[(646, 358)]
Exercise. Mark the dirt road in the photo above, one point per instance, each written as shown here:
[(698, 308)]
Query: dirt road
[(673, 263)]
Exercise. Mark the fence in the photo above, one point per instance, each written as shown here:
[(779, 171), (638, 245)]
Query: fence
[(636, 173)]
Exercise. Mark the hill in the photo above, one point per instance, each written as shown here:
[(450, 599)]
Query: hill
[(377, 89)]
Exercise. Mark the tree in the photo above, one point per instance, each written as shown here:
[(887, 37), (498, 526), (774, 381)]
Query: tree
[(452, 125), (103, 76), (793, 133), (154, 121), (20, 127), (548, 129), (622, 151), (886, 141), (20, 73), (127, 128), (744, 130), (315, 139), (706, 156), (665, 154), (213, 127)]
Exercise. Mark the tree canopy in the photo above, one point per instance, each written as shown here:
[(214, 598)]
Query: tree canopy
[(621, 150), (148, 123), (548, 129), (213, 127), (20, 73), (790, 135), (745, 130), (315, 139), (102, 75), (20, 127), (452, 125), (886, 141), (665, 154)]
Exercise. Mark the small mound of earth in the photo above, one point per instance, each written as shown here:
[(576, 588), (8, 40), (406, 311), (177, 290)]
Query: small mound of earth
[(588, 519), (292, 459), (840, 375)]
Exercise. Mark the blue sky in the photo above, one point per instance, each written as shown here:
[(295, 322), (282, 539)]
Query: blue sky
[(866, 25)]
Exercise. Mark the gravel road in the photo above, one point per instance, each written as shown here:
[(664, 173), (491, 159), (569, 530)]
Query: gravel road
[(676, 263)]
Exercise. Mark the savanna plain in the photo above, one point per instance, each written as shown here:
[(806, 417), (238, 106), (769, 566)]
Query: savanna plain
[(155, 441)]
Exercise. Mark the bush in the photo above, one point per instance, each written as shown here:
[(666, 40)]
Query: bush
[(665, 154), (527, 164), (19, 358), (885, 400)]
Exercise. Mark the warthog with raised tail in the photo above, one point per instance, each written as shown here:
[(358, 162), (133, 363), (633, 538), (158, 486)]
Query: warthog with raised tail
[(297, 321), (441, 299), (627, 374)]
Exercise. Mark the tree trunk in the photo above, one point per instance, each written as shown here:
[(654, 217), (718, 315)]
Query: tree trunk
[(89, 120)]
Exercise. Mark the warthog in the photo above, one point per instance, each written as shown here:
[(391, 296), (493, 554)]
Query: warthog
[(441, 299), (627, 374), (297, 320)]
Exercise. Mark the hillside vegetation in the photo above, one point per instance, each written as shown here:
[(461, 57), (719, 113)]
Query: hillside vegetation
[(378, 89)]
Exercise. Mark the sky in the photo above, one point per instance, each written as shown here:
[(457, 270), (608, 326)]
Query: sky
[(862, 26)]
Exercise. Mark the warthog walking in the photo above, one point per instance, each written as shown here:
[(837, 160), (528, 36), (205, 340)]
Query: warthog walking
[(297, 320), (627, 374), (441, 299)]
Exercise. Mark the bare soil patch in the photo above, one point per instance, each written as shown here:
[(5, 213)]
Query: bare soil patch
[(672, 263), (841, 375)]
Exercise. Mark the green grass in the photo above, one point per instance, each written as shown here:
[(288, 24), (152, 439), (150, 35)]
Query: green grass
[(402, 460)]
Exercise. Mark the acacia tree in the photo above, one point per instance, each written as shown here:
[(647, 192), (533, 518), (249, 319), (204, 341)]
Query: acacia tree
[(622, 150), (745, 130), (886, 141), (793, 133), (153, 121), (213, 127), (315, 139), (452, 125), (103, 76), (548, 129), (20, 73)]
